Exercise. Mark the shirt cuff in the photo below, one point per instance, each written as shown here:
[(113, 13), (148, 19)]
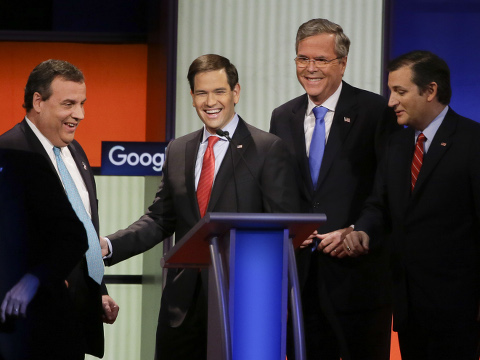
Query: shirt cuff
[(110, 250)]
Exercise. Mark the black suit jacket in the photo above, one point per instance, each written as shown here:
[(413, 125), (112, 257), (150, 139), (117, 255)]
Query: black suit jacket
[(40, 234), (175, 209), (85, 292), (361, 126), (436, 229)]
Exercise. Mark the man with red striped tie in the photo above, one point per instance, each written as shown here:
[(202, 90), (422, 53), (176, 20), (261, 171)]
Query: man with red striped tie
[(206, 171), (427, 192)]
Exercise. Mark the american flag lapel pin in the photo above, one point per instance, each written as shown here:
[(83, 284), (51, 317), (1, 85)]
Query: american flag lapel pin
[(84, 165), (346, 119), (443, 144), (239, 146)]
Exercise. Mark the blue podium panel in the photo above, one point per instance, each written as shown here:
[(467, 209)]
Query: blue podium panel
[(258, 293)]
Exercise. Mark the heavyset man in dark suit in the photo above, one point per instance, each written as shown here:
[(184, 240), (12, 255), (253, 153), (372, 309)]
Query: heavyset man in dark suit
[(54, 97), (427, 191), (346, 305), (266, 184), (41, 241)]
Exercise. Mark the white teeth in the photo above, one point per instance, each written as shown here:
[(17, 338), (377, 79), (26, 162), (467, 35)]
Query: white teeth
[(216, 111), (310, 79), (70, 125)]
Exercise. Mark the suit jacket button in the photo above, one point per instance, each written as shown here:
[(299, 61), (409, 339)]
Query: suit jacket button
[(316, 204)]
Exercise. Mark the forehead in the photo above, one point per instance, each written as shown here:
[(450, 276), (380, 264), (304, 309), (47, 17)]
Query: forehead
[(400, 77), (66, 88), (317, 45), (211, 79)]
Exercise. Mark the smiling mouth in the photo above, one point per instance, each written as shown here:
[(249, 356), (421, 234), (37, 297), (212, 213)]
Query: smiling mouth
[(313, 79), (71, 125), (215, 111)]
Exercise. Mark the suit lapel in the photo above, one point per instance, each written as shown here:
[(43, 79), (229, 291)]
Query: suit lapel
[(439, 146), (297, 120), (400, 162), (343, 120), (241, 137), (34, 143), (191, 150)]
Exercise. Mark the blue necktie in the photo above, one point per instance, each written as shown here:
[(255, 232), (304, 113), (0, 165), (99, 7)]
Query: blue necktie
[(94, 253), (317, 146)]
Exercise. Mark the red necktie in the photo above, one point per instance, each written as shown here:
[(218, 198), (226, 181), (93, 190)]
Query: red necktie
[(204, 188), (417, 158)]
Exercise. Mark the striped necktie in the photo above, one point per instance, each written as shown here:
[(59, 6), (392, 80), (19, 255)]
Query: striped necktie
[(417, 160), (204, 188)]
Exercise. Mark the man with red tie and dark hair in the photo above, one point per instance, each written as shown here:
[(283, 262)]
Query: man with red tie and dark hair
[(203, 173), (427, 192)]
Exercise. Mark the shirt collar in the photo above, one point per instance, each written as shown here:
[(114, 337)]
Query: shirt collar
[(230, 127), (432, 128), (330, 103), (45, 142)]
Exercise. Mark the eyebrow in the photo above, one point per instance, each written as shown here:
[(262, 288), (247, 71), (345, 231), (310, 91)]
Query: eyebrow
[(73, 101), (217, 89)]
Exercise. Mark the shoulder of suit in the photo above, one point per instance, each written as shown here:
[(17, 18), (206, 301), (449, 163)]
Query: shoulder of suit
[(363, 95), (13, 138), (261, 135), (294, 104), (187, 137), (463, 123)]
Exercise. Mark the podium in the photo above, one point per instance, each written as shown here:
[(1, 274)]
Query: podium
[(252, 273)]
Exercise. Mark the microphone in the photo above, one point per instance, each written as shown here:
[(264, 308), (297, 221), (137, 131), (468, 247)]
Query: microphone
[(226, 135)]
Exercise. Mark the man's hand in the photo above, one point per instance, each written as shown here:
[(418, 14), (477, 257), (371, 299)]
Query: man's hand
[(17, 299), (356, 243), (309, 241), (110, 309), (332, 242), (104, 246)]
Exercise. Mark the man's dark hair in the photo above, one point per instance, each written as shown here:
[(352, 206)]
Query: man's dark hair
[(426, 68), (40, 79), (212, 62)]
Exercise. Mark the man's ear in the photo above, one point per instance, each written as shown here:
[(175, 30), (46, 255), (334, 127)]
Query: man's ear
[(236, 93), (36, 101), (432, 90), (193, 99)]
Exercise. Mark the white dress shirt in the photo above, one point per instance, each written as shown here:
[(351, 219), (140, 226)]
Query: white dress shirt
[(220, 149), (309, 122), (69, 163)]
